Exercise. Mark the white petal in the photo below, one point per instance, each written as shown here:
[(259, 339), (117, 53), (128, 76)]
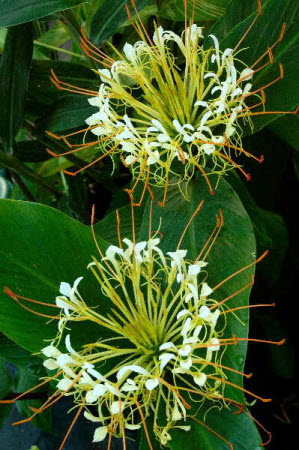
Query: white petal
[(214, 344), (151, 384), (131, 426), (131, 368), (166, 345), (65, 289), (205, 290), (204, 312), (165, 358), (186, 364), (186, 327), (194, 269), (50, 351), (64, 384), (100, 434), (117, 407), (63, 359), (91, 417), (246, 73), (50, 364), (200, 379), (185, 350), (182, 313), (68, 345)]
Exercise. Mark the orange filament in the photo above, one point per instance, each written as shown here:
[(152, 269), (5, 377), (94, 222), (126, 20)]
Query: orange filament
[(144, 425), (246, 175), (210, 363), (219, 225), (246, 307), (241, 270), (233, 295), (90, 44), (265, 400), (133, 223), (93, 209), (211, 190), (259, 12), (140, 22), (31, 389), (163, 202), (14, 296), (71, 426), (212, 238), (61, 86), (174, 390), (280, 38), (118, 228), (212, 431), (189, 223), (92, 163), (227, 144), (34, 312)]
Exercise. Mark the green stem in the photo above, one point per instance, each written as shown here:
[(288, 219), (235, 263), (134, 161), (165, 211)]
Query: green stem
[(58, 49)]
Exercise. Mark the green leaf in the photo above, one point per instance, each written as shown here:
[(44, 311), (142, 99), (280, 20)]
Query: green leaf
[(107, 227), (13, 13), (14, 72), (233, 250), (15, 354), (25, 381), (68, 112), (40, 88), (283, 95), (203, 9), (107, 20), (40, 247)]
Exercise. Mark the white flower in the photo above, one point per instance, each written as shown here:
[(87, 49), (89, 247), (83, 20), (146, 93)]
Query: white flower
[(130, 368), (50, 364), (51, 351), (205, 290), (117, 407), (200, 379), (165, 358), (100, 434), (64, 384), (151, 384)]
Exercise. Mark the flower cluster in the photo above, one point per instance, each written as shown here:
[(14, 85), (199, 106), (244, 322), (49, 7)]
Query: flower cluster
[(171, 100), (166, 335)]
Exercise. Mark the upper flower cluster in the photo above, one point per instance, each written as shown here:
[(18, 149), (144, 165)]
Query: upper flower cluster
[(171, 101), (167, 333)]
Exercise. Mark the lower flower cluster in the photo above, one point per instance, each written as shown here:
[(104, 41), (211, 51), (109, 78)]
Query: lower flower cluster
[(166, 343)]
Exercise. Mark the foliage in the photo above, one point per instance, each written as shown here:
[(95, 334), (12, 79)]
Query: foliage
[(45, 214)]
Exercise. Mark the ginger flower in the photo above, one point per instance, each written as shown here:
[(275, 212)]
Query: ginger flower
[(157, 356), (166, 322), (169, 106)]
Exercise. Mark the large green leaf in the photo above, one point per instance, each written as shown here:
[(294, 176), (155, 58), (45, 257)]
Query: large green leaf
[(202, 9), (15, 12), (40, 88), (283, 95), (14, 72), (40, 247), (107, 20), (234, 249), (68, 112)]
